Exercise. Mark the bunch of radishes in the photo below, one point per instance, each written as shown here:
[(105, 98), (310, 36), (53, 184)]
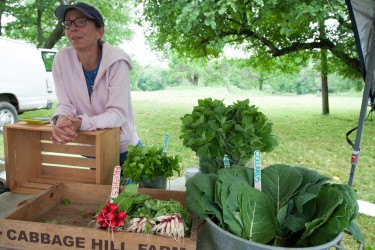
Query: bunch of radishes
[(140, 225), (110, 217), (170, 225), (166, 225)]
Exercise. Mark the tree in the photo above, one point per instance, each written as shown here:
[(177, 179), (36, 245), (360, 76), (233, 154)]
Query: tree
[(36, 23), (182, 69), (2, 10), (266, 29), (151, 79)]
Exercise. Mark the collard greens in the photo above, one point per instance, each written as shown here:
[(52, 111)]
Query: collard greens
[(297, 207)]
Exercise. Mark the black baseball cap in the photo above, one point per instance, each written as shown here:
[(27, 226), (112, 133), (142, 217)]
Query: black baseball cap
[(88, 10)]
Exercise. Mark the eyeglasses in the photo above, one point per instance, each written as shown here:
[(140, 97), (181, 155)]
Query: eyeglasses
[(78, 22)]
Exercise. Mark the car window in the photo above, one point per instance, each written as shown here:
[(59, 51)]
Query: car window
[(48, 57)]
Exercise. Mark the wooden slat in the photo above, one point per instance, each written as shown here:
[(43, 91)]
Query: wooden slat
[(52, 180), (164, 195), (107, 153), (22, 155), (33, 127), (22, 190), (75, 190), (36, 185), (83, 138), (68, 161), (70, 174), (48, 128), (86, 149)]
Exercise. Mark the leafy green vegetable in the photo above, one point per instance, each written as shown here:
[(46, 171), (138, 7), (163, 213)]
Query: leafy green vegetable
[(201, 196), (146, 163), (228, 194), (280, 182), (66, 202), (257, 214), (214, 129), (297, 207)]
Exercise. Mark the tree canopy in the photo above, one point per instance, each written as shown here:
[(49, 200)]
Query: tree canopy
[(265, 29), (35, 22)]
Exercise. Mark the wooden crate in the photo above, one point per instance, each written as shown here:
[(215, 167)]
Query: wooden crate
[(26, 227), (33, 163)]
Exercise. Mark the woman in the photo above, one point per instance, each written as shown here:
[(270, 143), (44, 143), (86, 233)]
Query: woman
[(91, 80)]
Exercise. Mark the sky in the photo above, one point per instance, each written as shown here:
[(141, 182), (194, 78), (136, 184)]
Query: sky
[(138, 49)]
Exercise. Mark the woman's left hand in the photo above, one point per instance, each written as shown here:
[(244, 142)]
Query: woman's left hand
[(66, 130)]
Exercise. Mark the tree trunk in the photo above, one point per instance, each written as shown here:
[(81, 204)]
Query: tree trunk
[(324, 70), (2, 7), (54, 37), (196, 79), (260, 81), (324, 78), (193, 79)]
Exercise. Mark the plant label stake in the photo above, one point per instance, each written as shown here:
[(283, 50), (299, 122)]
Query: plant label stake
[(257, 171), (115, 183), (165, 144), (226, 161)]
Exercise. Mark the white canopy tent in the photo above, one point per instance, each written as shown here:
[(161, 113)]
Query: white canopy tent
[(362, 14)]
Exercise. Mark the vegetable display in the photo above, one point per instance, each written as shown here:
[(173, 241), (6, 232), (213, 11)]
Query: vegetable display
[(297, 207), (146, 163), (214, 129), (138, 213)]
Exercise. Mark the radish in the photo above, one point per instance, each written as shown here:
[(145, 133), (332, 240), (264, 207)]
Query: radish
[(121, 223), (113, 224), (113, 207), (107, 204), (171, 226), (121, 215), (111, 216), (105, 225), (100, 218), (104, 211)]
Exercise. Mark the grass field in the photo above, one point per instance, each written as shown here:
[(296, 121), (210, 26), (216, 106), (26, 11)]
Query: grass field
[(306, 138)]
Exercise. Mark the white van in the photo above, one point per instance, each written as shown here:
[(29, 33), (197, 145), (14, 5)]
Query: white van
[(48, 55), (23, 81)]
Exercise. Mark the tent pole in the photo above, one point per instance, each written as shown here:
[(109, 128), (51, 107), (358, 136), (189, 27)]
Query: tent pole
[(362, 117)]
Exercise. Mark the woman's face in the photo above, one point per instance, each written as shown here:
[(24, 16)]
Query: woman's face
[(85, 37)]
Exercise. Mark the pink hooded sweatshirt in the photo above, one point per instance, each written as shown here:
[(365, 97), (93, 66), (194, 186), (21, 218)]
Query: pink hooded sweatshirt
[(109, 105)]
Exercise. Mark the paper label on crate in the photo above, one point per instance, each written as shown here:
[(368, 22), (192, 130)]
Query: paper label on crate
[(257, 171), (116, 182)]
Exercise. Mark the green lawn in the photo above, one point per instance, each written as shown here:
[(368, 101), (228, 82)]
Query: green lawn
[(306, 138)]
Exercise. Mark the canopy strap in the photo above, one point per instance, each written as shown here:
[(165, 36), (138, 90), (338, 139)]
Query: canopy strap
[(372, 105), (347, 136)]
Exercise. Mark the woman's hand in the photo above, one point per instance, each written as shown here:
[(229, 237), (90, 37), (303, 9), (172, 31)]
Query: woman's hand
[(66, 129)]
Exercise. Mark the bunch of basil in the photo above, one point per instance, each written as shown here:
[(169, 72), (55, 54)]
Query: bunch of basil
[(146, 163), (214, 129), (297, 207)]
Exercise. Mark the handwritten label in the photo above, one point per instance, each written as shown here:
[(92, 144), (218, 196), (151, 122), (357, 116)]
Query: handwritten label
[(226, 161), (257, 171), (116, 182)]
